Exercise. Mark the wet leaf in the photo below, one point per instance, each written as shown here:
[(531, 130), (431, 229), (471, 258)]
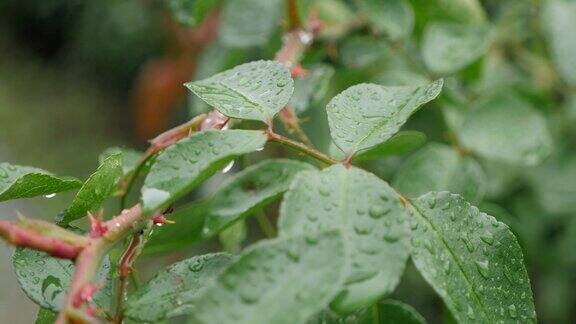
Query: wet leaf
[(45, 316), (256, 90), (25, 182), (284, 280), (471, 260), (184, 165), (373, 220), (98, 187), (46, 279), (249, 190), (366, 115), (399, 144), (166, 291)]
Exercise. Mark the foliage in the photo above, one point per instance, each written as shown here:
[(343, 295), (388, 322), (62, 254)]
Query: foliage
[(369, 210)]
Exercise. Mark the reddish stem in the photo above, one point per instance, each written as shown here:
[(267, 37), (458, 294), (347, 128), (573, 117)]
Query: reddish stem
[(25, 237)]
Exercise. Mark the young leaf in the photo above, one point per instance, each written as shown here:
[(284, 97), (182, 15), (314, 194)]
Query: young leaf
[(471, 260), (24, 182), (250, 189), (449, 47), (373, 220), (45, 316), (185, 279), (366, 115), (45, 279), (247, 23), (559, 18), (438, 167), (284, 280), (256, 90), (187, 230), (508, 129), (184, 165), (393, 17), (100, 185)]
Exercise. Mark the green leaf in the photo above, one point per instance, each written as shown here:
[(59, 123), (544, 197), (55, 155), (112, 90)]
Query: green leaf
[(247, 23), (249, 190), (191, 13), (372, 217), (45, 316), (554, 183), (100, 185), (508, 129), (393, 311), (187, 230), (471, 260), (24, 182), (438, 167), (256, 90), (185, 279), (233, 236), (130, 158), (449, 47), (393, 17), (46, 279), (184, 165), (366, 115), (285, 280), (399, 144), (559, 18), (311, 87)]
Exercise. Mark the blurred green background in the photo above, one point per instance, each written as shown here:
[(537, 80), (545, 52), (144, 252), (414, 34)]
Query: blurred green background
[(77, 77)]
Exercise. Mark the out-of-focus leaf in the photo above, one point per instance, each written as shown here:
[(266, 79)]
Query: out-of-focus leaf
[(232, 237), (100, 185), (393, 17), (471, 260), (463, 11), (372, 217), (187, 230), (191, 13), (438, 167), (508, 129), (249, 190), (449, 47), (256, 90), (362, 52), (24, 182), (184, 165), (311, 87), (248, 23), (554, 183), (560, 21), (396, 312), (285, 280), (45, 316), (366, 115), (336, 17), (45, 279), (182, 280), (399, 144)]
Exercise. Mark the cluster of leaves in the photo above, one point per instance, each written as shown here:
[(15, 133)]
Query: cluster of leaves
[(499, 106)]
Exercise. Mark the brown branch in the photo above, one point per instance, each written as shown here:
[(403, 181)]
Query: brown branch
[(294, 20)]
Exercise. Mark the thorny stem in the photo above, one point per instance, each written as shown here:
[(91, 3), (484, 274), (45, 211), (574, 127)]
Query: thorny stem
[(301, 147), (125, 268), (89, 259)]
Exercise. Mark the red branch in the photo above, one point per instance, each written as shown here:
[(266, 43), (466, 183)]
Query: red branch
[(26, 237)]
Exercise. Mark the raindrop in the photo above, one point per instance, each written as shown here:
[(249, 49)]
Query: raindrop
[(228, 167), (377, 211), (483, 268), (512, 311), (487, 238), (196, 266), (52, 195)]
